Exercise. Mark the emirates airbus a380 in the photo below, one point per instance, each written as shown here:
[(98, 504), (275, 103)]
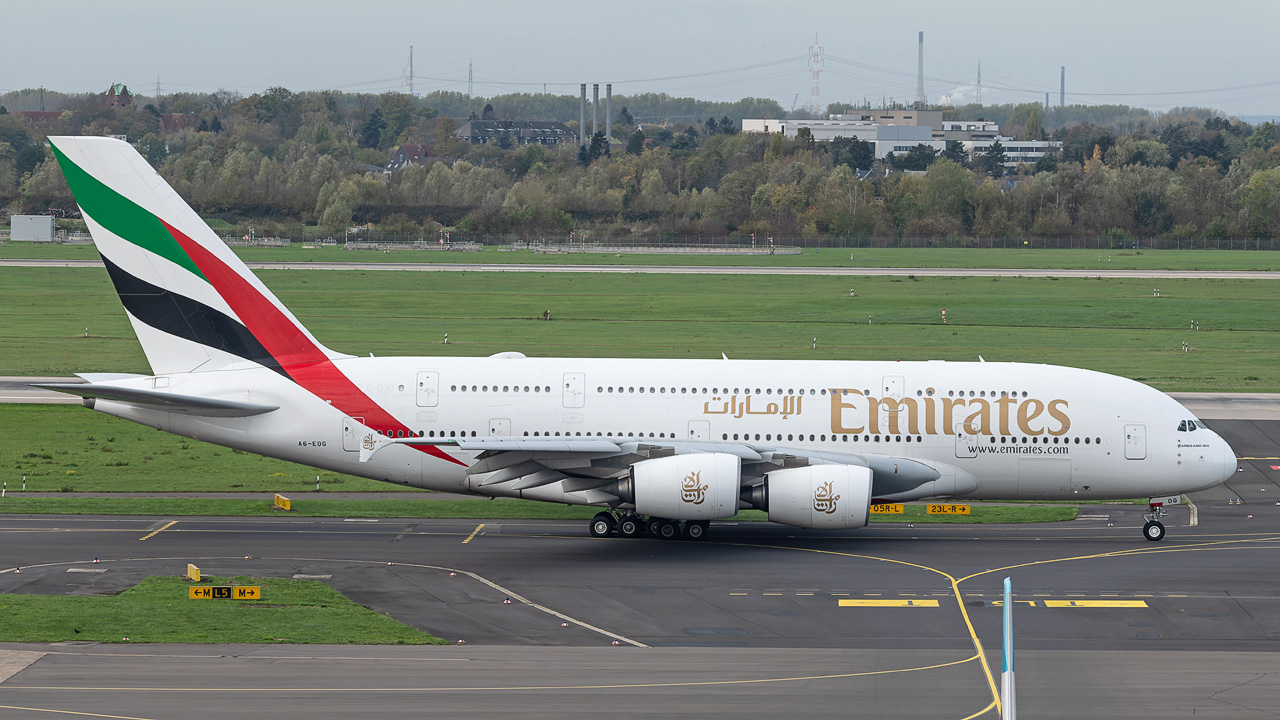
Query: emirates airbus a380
[(659, 445)]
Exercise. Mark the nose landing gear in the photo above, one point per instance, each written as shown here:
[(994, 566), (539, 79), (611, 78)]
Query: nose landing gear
[(1153, 530)]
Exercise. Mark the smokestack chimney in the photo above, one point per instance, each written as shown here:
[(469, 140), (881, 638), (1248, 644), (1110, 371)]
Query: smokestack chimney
[(920, 100), (582, 118), (595, 109), (608, 112), (1062, 89)]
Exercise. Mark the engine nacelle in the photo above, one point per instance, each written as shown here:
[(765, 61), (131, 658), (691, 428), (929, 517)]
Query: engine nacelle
[(834, 497), (697, 486)]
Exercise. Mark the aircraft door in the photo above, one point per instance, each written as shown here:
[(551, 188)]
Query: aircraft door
[(499, 427), (1135, 442), (699, 430), (965, 443), (353, 431), (428, 388), (891, 389), (575, 390)]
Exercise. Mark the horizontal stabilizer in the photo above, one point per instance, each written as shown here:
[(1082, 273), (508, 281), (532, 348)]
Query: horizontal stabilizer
[(173, 402)]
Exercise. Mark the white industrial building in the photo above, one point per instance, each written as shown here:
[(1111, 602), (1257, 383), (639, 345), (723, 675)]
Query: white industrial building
[(1016, 152), (887, 139), (32, 228)]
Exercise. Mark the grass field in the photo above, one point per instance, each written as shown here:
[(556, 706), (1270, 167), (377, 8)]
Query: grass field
[(1038, 257), (413, 506), (157, 610), (68, 448), (1111, 325)]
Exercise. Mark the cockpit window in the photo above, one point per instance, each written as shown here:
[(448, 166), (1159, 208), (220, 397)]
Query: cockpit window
[(1182, 426), (1199, 424)]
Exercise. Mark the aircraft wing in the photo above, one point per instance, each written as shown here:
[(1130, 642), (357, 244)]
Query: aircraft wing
[(582, 464), (173, 402)]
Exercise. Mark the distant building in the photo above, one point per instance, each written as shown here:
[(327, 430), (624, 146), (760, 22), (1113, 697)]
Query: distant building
[(31, 228), (406, 155), (1016, 152), (887, 139), (521, 132), (118, 95), (963, 130), (39, 117), (177, 121)]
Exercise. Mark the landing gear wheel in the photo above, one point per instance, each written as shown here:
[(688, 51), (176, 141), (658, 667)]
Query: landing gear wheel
[(602, 525), (668, 530), (1153, 530), (630, 526), (696, 530), (655, 526)]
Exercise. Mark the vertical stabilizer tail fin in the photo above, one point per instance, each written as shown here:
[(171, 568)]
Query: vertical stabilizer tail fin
[(193, 303)]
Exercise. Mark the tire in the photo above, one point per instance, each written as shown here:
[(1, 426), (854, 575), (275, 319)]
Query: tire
[(602, 525), (655, 526), (630, 526), (668, 530), (1153, 531), (696, 530)]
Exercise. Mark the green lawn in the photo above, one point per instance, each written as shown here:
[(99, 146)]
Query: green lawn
[(157, 610), (70, 448), (1029, 257), (1111, 325), (480, 509)]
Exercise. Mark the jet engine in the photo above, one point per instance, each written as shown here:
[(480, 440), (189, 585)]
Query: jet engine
[(698, 486), (833, 497)]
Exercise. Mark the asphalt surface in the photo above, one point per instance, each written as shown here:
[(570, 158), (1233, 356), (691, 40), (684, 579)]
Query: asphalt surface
[(748, 623), (717, 270)]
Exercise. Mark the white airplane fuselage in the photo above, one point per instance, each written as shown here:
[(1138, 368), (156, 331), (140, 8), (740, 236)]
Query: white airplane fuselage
[(1022, 431)]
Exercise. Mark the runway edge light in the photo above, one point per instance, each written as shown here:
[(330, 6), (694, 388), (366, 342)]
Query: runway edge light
[(1008, 709)]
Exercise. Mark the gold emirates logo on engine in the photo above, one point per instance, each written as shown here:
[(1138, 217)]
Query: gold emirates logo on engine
[(824, 499), (690, 489)]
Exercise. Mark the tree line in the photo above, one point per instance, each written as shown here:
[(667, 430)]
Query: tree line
[(311, 164)]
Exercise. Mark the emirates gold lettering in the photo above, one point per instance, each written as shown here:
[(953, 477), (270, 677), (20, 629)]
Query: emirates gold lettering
[(824, 498), (853, 412), (1029, 410), (979, 421), (1064, 422), (838, 405), (692, 490)]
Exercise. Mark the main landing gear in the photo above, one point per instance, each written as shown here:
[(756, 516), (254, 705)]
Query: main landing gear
[(631, 525), (1153, 530)]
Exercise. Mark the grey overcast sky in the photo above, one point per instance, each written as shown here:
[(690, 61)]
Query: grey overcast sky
[(1150, 54)]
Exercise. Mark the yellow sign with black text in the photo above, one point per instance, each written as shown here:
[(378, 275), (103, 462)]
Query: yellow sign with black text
[(948, 510), (225, 592), (887, 508)]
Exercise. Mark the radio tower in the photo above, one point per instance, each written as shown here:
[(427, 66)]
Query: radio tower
[(979, 82), (468, 77), (815, 69), (408, 74)]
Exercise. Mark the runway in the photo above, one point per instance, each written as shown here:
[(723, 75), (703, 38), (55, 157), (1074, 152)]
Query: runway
[(718, 270), (757, 621)]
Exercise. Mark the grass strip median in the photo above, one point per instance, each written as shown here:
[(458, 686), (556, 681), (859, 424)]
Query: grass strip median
[(501, 508), (157, 610)]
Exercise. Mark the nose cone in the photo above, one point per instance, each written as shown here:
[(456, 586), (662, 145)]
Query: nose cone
[(1228, 461)]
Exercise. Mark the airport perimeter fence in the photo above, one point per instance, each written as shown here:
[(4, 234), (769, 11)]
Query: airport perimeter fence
[(737, 245)]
